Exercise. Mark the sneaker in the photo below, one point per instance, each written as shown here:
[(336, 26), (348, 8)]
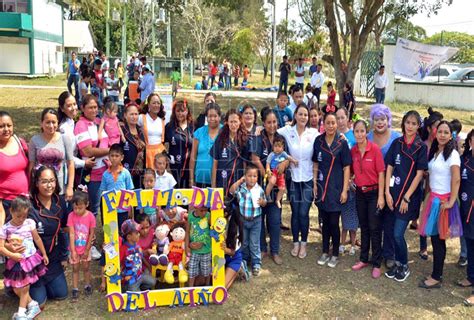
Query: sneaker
[(462, 262), (333, 262), (75, 295), (95, 254), (16, 316), (88, 290), (256, 271), (392, 272), (245, 270), (342, 249), (359, 266), (402, 274), (352, 251), (376, 273), (33, 311), (323, 259)]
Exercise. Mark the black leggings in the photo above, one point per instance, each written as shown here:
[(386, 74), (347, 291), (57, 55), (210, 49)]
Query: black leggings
[(331, 231), (439, 254)]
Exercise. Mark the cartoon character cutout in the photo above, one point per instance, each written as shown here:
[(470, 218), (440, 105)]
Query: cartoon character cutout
[(218, 228), (111, 272)]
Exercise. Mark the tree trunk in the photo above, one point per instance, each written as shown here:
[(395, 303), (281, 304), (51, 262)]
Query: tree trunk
[(265, 72)]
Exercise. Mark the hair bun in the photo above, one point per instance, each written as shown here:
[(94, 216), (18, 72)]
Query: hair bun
[(430, 110)]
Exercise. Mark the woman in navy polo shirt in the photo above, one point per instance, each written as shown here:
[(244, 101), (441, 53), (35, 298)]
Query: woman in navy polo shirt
[(406, 162), (229, 152), (179, 136), (331, 169), (466, 196), (49, 213), (249, 119), (260, 148), (369, 177)]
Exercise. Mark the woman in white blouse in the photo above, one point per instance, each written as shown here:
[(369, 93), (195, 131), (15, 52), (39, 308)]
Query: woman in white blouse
[(300, 139), (152, 121)]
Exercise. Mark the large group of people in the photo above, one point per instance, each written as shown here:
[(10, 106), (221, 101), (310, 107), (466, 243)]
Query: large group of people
[(364, 173)]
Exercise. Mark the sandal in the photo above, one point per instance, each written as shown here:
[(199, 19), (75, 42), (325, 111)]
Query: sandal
[(423, 255), (468, 303), (302, 254), (462, 283), (423, 285), (296, 250)]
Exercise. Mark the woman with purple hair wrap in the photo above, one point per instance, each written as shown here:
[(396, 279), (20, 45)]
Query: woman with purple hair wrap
[(383, 135)]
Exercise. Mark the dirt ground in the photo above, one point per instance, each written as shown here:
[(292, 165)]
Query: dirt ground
[(297, 289)]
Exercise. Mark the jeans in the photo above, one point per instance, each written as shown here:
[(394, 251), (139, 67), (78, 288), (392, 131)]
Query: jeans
[(211, 80), (439, 254), (73, 78), (331, 231), (94, 197), (236, 81), (146, 282), (470, 259), (317, 93), (379, 95), (301, 198), (283, 84), (388, 221), (251, 243), (401, 250), (463, 253), (227, 82), (55, 289), (271, 220), (370, 227)]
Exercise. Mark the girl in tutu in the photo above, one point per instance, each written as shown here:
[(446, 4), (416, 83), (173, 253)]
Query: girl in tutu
[(24, 268), (441, 217)]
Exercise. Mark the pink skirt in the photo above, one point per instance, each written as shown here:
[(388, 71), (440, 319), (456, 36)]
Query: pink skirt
[(25, 272)]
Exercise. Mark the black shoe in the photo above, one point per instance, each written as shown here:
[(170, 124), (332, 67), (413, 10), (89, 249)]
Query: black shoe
[(88, 290), (402, 274), (462, 262), (283, 227), (392, 272), (75, 294)]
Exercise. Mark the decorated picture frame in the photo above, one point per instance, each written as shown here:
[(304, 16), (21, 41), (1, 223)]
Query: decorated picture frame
[(195, 197)]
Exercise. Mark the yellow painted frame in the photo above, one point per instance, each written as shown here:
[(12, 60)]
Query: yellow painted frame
[(131, 301)]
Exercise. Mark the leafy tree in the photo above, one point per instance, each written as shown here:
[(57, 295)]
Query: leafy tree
[(311, 13), (88, 7), (241, 50), (463, 41), (264, 45)]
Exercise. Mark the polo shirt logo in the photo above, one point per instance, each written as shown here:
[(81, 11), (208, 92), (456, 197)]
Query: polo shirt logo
[(173, 141), (285, 118), (224, 174), (397, 180), (320, 156), (224, 153), (40, 228), (464, 174), (265, 152), (397, 159), (126, 147), (178, 158), (321, 177), (464, 196)]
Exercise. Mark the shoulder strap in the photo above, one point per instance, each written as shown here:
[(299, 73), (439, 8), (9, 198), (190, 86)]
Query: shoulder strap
[(22, 145)]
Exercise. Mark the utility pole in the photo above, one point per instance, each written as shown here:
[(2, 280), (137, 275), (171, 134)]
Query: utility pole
[(168, 36), (153, 40), (124, 33), (273, 2), (286, 30), (107, 30)]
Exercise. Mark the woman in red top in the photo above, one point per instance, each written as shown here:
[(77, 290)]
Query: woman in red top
[(369, 175), (14, 160)]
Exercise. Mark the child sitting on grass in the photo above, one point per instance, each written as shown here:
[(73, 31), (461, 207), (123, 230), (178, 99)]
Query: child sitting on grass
[(273, 160), (198, 245)]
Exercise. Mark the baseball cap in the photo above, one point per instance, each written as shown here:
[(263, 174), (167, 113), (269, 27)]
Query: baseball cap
[(129, 226)]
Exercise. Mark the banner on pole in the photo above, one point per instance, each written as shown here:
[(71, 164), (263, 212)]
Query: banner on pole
[(416, 60)]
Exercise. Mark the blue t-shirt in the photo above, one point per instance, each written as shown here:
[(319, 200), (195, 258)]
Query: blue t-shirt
[(351, 140), (72, 70), (393, 135), (283, 115), (276, 159), (203, 167)]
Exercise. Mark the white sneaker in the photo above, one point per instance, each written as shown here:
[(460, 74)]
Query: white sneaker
[(333, 262), (342, 249), (352, 251), (323, 259), (95, 254)]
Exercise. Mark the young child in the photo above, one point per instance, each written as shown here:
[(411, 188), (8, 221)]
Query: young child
[(120, 72), (95, 89), (205, 83), (110, 123), (116, 177), (131, 260), (164, 179), (349, 99), (282, 110), (81, 223), (147, 235), (251, 198), (198, 245), (331, 101), (23, 269), (175, 78), (173, 215), (309, 98), (457, 127), (112, 86), (232, 243), (149, 180), (273, 160)]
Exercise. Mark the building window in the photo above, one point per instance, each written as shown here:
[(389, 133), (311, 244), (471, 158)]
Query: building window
[(20, 6)]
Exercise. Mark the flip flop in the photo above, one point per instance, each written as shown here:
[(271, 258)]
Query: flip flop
[(423, 256), (423, 285), (468, 303), (460, 284)]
